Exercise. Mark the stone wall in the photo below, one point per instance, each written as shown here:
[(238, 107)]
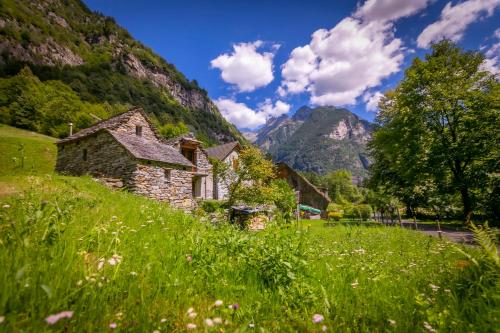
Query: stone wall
[(161, 183), (136, 119), (203, 166), (221, 186), (105, 158)]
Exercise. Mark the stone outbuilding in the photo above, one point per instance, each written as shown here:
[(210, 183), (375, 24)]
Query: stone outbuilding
[(127, 151), (227, 153), (309, 194)]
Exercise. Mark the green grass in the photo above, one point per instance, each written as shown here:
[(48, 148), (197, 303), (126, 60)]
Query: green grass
[(55, 230)]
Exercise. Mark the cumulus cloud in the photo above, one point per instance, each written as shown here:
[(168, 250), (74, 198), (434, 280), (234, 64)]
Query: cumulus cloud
[(242, 116), (341, 63), (454, 20), (388, 10), (245, 67), (239, 114), (275, 110), (492, 61), (296, 71), (372, 100)]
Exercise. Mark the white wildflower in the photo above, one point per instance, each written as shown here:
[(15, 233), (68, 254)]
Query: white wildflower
[(218, 302), (428, 327), (434, 287), (209, 322), (191, 326), (217, 320)]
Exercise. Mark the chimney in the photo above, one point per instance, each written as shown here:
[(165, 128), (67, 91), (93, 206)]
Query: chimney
[(70, 129)]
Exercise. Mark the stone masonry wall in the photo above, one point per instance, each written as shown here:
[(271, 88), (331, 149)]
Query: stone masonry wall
[(106, 158), (204, 166), (222, 185), (153, 181), (136, 119)]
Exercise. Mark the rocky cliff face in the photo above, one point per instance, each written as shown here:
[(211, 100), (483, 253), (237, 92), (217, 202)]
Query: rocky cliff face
[(66, 34), (319, 139)]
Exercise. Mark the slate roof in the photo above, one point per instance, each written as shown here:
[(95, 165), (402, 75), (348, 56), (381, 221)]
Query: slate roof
[(150, 150), (110, 123), (221, 152)]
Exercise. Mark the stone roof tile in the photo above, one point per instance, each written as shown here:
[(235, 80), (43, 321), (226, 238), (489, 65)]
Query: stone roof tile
[(150, 150), (222, 151)]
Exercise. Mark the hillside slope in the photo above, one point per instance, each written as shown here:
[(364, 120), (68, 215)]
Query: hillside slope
[(64, 41), (119, 260), (318, 139)]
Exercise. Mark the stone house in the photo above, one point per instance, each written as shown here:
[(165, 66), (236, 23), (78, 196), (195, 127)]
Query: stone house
[(227, 153), (191, 149), (126, 151), (309, 194)]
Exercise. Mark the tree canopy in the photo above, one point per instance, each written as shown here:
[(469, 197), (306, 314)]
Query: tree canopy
[(438, 132)]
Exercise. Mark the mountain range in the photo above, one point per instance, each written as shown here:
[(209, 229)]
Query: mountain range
[(320, 140), (63, 40)]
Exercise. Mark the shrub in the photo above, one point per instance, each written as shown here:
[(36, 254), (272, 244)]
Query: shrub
[(211, 206), (364, 211)]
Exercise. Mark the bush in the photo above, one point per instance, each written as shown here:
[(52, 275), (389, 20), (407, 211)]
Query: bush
[(211, 206), (364, 211)]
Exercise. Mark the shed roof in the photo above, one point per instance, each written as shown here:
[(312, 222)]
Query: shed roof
[(222, 151), (150, 150)]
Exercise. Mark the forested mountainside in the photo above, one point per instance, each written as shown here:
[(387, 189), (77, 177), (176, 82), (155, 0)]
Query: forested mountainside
[(61, 62), (318, 139)]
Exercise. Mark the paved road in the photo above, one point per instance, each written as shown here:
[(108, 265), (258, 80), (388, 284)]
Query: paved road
[(457, 236)]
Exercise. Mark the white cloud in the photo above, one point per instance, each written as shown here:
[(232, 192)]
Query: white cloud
[(372, 100), (239, 114), (341, 63), (454, 20), (246, 67), (497, 33), (492, 56), (275, 110), (296, 70), (388, 10), (242, 116)]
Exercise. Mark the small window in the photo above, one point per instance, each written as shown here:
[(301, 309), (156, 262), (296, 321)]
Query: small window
[(168, 175), (84, 155), (138, 130)]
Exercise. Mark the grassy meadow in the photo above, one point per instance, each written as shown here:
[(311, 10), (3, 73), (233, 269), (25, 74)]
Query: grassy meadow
[(125, 263)]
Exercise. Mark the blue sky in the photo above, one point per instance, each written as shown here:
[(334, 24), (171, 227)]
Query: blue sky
[(259, 59)]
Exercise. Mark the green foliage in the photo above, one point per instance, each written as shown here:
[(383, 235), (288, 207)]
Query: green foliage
[(283, 198), (437, 131), (46, 107), (169, 131), (254, 182), (341, 188), (56, 230), (211, 206), (104, 78)]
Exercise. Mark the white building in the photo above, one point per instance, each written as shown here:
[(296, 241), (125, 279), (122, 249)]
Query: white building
[(227, 153)]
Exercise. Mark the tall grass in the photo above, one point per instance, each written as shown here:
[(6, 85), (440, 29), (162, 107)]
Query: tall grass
[(70, 244)]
